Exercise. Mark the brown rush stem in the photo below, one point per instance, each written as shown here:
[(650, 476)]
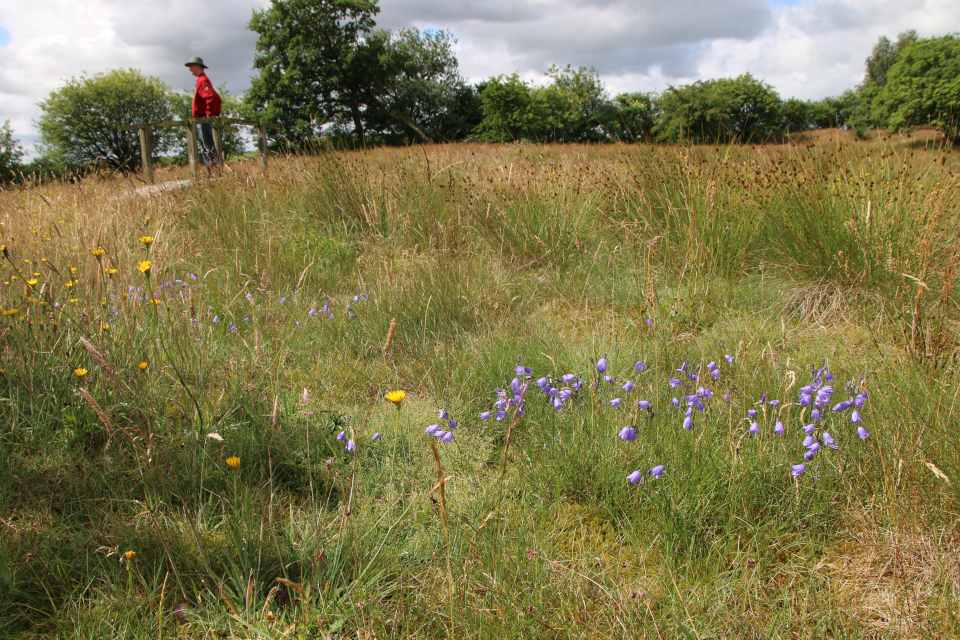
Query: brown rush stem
[(513, 423), (441, 481)]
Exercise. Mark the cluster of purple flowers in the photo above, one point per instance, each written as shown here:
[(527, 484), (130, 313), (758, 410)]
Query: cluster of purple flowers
[(694, 382), (513, 395), (817, 396), (443, 435), (351, 445)]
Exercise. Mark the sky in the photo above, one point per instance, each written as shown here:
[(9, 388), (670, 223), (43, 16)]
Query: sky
[(807, 49)]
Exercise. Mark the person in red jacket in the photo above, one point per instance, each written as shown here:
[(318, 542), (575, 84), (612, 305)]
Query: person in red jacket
[(206, 102)]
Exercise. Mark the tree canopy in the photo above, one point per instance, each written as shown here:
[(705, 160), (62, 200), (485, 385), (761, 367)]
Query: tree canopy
[(78, 122), (922, 87), (311, 62), (11, 153), (741, 109)]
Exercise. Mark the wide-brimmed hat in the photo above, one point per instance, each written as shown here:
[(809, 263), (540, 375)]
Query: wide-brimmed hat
[(196, 60)]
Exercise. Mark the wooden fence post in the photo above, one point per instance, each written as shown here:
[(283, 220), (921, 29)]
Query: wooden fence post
[(218, 140), (145, 158), (262, 145), (192, 150)]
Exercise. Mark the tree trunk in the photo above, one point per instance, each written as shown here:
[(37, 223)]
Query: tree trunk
[(358, 123), (407, 123)]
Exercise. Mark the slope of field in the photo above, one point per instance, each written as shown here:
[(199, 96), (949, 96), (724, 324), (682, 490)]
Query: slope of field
[(648, 392)]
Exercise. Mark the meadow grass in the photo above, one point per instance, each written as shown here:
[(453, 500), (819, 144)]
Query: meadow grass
[(198, 413)]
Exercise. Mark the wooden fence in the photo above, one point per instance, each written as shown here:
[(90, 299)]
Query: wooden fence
[(189, 125)]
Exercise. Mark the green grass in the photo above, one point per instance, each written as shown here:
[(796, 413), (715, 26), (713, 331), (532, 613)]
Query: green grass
[(786, 257)]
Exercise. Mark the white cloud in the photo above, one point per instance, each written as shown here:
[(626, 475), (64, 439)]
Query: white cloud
[(804, 48)]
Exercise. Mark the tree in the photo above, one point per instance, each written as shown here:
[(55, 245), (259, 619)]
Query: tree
[(311, 62), (741, 109), (412, 84), (578, 104), (572, 108), (864, 114), (923, 87), (11, 153), (799, 115), (465, 115), (512, 111), (79, 121), (631, 116), (884, 56)]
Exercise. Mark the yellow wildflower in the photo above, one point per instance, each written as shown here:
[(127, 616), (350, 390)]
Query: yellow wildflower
[(11, 312), (110, 272), (396, 397), (80, 372), (234, 462), (144, 266), (130, 556), (96, 253), (32, 282), (143, 366), (147, 240)]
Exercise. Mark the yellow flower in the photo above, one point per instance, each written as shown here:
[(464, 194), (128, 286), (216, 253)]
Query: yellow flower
[(110, 272), (147, 240), (106, 326), (130, 556), (234, 462), (73, 269), (396, 397), (144, 267), (3, 370), (11, 312), (143, 366), (68, 284), (96, 253), (32, 282), (80, 372), (4, 251)]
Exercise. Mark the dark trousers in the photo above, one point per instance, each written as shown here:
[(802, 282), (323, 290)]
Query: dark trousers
[(207, 146)]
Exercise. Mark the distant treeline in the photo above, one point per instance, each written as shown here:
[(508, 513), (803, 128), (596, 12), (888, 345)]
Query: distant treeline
[(326, 73)]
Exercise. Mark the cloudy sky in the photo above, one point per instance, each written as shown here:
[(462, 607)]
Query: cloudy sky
[(804, 48)]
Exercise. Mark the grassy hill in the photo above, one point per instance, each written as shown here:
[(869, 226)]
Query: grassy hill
[(196, 439)]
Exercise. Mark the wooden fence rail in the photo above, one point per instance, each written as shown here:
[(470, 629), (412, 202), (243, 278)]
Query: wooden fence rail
[(189, 125)]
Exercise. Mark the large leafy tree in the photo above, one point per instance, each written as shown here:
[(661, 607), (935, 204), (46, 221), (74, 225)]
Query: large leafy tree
[(323, 67), (573, 108), (512, 110), (861, 112), (923, 87), (407, 86), (312, 62), (741, 109), (631, 116), (78, 122), (11, 153), (578, 104), (828, 112)]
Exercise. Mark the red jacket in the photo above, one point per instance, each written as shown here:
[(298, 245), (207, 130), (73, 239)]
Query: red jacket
[(206, 101)]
